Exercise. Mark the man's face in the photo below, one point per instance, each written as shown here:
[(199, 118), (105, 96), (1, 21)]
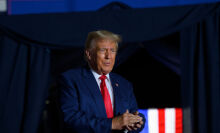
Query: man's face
[(102, 57)]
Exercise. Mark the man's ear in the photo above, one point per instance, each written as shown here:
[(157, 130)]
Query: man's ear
[(88, 54)]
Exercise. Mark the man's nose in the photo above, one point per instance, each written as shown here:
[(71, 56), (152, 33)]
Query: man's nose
[(107, 54)]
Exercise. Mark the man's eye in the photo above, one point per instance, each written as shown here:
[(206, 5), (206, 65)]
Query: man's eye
[(113, 50), (102, 50)]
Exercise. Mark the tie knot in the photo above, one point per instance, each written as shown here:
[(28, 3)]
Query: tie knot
[(103, 77)]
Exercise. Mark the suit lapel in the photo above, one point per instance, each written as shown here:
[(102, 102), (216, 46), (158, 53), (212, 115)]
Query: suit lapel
[(115, 86), (94, 90)]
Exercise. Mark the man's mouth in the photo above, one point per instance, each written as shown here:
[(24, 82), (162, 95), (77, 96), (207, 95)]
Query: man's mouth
[(107, 63)]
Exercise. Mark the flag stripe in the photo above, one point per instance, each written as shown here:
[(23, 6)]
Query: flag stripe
[(179, 120), (170, 120), (161, 113), (153, 120)]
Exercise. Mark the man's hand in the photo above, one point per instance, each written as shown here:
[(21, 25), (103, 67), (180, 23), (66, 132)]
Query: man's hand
[(127, 121), (137, 125)]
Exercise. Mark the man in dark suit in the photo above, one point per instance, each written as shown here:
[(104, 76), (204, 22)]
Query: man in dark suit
[(92, 99)]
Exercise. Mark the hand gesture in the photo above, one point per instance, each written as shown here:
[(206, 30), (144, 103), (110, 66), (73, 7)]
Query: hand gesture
[(127, 121)]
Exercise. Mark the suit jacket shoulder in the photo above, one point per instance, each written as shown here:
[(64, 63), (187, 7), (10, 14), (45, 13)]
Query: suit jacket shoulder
[(72, 72)]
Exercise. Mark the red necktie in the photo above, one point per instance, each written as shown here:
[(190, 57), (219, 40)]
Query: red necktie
[(106, 97)]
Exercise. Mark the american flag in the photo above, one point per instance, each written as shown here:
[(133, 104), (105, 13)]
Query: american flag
[(163, 120)]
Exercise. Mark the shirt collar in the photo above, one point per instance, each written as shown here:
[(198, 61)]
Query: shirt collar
[(96, 75)]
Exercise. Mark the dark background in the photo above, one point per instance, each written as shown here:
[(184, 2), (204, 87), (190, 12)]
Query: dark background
[(155, 85)]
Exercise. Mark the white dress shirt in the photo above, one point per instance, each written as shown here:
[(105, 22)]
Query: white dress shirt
[(108, 84)]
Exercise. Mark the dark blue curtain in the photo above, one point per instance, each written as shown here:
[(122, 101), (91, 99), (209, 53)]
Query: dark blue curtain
[(24, 76), (166, 50), (62, 30), (200, 65)]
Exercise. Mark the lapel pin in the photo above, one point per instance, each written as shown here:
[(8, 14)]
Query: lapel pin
[(116, 84)]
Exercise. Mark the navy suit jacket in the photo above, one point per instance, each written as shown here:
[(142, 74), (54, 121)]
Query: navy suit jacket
[(82, 104)]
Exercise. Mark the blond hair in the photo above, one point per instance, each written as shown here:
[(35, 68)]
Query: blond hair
[(101, 35)]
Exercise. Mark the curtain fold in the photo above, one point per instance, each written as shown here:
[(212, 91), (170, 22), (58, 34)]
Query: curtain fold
[(166, 50), (24, 85), (62, 30), (200, 59)]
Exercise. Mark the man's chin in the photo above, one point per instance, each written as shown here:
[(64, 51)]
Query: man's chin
[(106, 71)]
